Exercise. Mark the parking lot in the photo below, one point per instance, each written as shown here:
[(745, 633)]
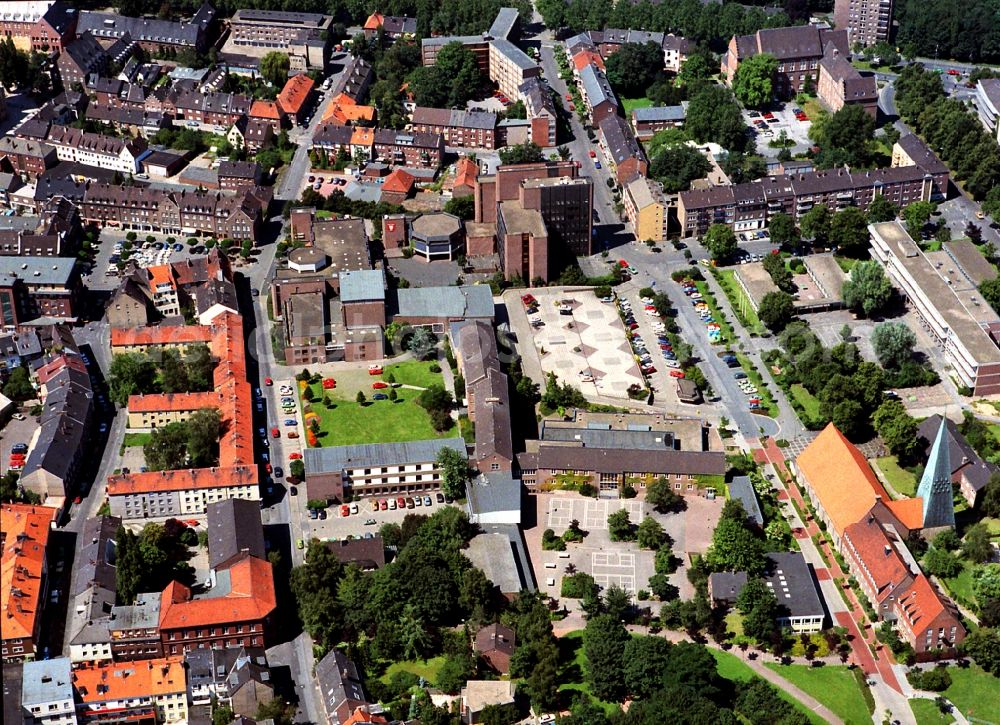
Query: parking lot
[(582, 341), (781, 119), (337, 527), (16, 431)]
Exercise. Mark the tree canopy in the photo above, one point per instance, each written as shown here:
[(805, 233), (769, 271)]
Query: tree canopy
[(720, 241), (634, 67), (776, 310), (754, 81), (868, 290)]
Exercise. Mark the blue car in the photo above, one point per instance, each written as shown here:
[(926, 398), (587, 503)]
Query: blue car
[(380, 396), (290, 421), (260, 406)]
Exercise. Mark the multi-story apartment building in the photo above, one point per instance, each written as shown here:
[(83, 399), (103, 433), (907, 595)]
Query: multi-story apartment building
[(47, 693), (474, 129), (392, 27), (42, 25), (610, 40), (92, 591), (867, 21), (210, 109), (28, 158), (94, 149), (150, 691), (24, 536), (172, 212), (540, 110), (987, 100), (487, 394), (510, 67), (152, 34), (32, 287), (190, 491), (647, 121), (749, 206), (239, 175), (910, 150), (80, 59), (952, 310), (597, 93), (295, 97), (376, 469), (134, 629), (646, 209), (420, 150), (798, 50), (621, 150)]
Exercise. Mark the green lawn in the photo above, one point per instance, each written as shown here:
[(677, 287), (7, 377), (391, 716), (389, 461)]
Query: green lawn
[(927, 713), (134, 440), (899, 478), (974, 692), (734, 669), (846, 263), (428, 669), (993, 525), (739, 300), (961, 585), (376, 421), (630, 103), (572, 668), (833, 685), (806, 399)]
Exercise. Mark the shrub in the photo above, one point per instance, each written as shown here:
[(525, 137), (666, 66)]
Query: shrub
[(578, 586), (588, 489)]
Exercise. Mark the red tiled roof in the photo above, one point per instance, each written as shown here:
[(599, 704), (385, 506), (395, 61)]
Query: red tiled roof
[(374, 22), (882, 564), (398, 181), (295, 93), (106, 681), (25, 534), (265, 109), (250, 598), (171, 402), (166, 335), (466, 171), (50, 368)]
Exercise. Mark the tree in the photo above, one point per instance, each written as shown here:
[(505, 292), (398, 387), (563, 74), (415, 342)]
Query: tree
[(897, 429), (720, 241), (815, 224), (759, 607), (881, 210), (525, 153), (917, 215), (713, 115), (774, 265), (18, 386), (849, 231), (661, 497), (360, 397), (976, 544), (199, 365), (297, 469), (781, 228), (274, 68), (983, 645), (941, 563), (620, 527), (754, 81), (203, 430), (422, 343), (650, 534), (645, 659), (677, 166), (604, 641), (617, 602), (222, 715), (990, 290), (456, 68), (776, 310), (868, 290), (130, 374), (736, 548), (845, 138), (991, 496), (464, 207), (277, 710), (893, 343), (454, 472), (634, 67), (167, 448)]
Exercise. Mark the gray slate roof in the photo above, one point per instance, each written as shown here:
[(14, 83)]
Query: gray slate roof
[(233, 527), (596, 86), (494, 492), (338, 458), (362, 285), (47, 681), (741, 489), (446, 302), (659, 113)]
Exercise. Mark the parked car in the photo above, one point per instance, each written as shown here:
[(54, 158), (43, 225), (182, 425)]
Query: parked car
[(296, 456), (345, 510), (293, 434), (380, 396), (379, 385), (290, 421), (275, 433)]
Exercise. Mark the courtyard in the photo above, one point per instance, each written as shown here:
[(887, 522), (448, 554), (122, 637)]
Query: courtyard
[(582, 341), (622, 563), (345, 421)]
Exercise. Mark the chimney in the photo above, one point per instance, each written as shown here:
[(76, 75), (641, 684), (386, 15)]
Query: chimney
[(888, 550)]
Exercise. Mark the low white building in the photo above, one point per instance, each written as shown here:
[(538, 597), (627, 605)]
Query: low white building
[(987, 100)]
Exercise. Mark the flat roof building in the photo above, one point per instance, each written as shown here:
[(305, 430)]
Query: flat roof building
[(959, 319)]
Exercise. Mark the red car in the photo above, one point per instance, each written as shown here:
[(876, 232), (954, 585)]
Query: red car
[(374, 369), (569, 97), (593, 154), (401, 502), (677, 373), (268, 381), (267, 467), (383, 505), (77, 500), (953, 72), (345, 510), (379, 385), (275, 433), (329, 383), (295, 456), (528, 300), (768, 116)]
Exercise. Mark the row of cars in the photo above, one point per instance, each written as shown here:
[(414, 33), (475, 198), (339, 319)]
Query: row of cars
[(712, 328), (639, 347)]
